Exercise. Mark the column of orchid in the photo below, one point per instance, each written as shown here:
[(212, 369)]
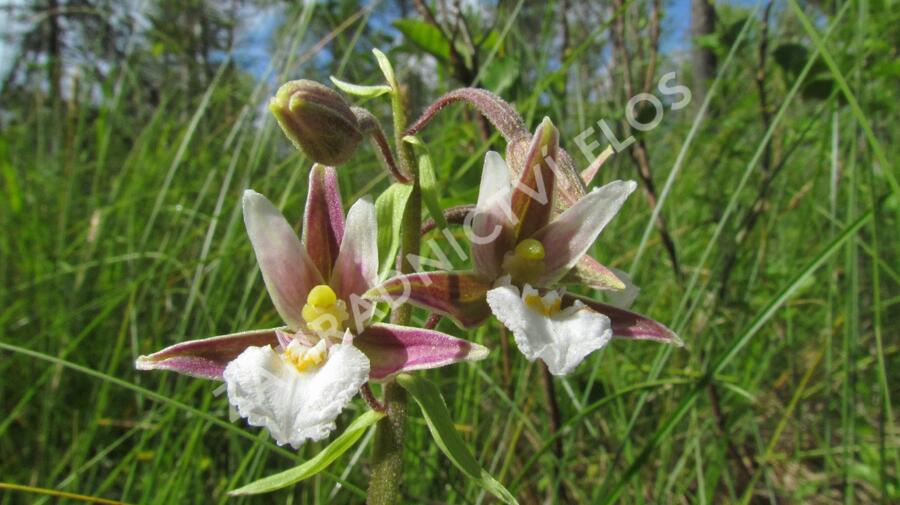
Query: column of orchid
[(530, 230)]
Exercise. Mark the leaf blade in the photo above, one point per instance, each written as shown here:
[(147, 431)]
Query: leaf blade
[(317, 463), (386, 68), (437, 416), (425, 36), (428, 182), (389, 209), (359, 89)]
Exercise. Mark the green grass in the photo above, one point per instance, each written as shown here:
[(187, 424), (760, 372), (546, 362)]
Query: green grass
[(123, 234)]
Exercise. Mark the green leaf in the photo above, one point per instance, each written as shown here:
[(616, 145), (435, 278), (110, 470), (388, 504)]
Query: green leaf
[(448, 440), (428, 182), (157, 49), (491, 42), (386, 68), (501, 74), (425, 36), (709, 41), (792, 57), (359, 90), (730, 35), (13, 194), (319, 462), (389, 209), (819, 89)]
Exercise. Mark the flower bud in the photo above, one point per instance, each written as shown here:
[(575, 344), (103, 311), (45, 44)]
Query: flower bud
[(317, 120)]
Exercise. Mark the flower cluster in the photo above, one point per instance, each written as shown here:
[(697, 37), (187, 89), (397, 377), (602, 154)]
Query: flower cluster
[(530, 231)]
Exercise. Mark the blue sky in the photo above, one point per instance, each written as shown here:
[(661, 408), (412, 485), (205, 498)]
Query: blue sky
[(253, 44)]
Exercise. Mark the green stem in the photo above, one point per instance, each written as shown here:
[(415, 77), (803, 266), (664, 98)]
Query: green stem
[(387, 450)]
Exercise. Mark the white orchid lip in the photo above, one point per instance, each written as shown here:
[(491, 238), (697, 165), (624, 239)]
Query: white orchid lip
[(296, 394), (559, 336)]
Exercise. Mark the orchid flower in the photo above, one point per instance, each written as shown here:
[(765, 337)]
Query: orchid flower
[(523, 248), (296, 379)]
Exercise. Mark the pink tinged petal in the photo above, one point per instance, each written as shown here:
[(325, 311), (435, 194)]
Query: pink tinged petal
[(457, 295), (295, 406), (570, 235), (393, 349), (490, 221), (569, 186), (284, 338), (356, 269), (323, 219), (532, 201), (587, 175), (206, 358), (626, 296), (562, 341), (629, 325), (590, 272), (287, 270)]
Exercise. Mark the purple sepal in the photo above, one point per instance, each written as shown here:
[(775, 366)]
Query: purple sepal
[(630, 325), (206, 358), (393, 349)]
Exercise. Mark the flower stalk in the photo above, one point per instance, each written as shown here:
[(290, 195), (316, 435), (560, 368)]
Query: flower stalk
[(369, 125), (387, 452)]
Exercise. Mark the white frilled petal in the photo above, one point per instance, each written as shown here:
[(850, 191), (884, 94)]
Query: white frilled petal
[(270, 392), (562, 341), (288, 272)]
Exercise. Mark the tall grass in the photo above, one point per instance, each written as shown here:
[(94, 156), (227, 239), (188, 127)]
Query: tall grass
[(123, 234)]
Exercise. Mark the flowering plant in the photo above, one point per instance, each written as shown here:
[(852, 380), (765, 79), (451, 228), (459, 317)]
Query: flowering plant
[(530, 231)]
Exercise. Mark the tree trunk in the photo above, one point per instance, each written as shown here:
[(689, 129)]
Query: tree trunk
[(703, 22), (54, 51)]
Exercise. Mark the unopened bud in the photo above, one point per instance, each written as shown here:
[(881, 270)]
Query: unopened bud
[(317, 120)]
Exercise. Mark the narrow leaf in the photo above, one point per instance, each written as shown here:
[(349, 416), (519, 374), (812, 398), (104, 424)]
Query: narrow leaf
[(389, 209), (360, 90), (735, 346), (319, 462), (386, 68), (428, 182), (13, 193), (448, 440)]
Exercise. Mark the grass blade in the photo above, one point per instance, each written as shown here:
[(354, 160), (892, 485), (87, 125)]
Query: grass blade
[(451, 444), (319, 462), (761, 319)]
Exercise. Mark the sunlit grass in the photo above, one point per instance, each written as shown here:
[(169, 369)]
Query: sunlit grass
[(124, 236)]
